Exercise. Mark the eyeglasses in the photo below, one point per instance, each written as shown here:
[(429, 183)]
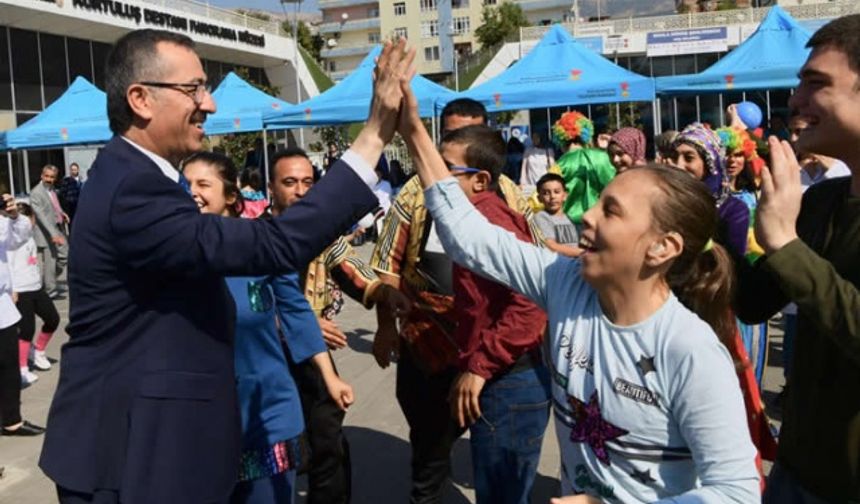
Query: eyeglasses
[(195, 90), (460, 170)]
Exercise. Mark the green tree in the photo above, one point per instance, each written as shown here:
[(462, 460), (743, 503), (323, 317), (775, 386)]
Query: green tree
[(727, 5), (500, 23), (312, 43), (237, 145)]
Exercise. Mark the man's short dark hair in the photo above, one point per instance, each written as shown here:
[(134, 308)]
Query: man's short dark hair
[(485, 148), (286, 153), (134, 58), (550, 177), (843, 34), (465, 107)]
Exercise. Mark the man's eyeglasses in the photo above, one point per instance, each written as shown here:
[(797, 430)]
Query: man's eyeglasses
[(460, 170), (196, 91)]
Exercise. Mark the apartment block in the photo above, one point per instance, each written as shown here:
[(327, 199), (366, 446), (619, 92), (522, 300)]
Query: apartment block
[(351, 29), (437, 28)]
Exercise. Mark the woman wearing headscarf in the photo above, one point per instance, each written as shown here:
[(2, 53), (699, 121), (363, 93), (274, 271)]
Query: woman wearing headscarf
[(627, 149), (700, 152)]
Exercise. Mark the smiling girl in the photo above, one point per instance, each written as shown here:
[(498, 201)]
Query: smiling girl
[(647, 404), (272, 422)]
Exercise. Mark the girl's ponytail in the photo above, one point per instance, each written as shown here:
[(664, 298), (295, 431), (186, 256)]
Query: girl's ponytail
[(707, 290), (702, 277)]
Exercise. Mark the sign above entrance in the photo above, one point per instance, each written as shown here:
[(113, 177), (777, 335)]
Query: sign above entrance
[(700, 40), (160, 19)]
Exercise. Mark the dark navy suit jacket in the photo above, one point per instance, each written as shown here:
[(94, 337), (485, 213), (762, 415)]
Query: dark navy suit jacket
[(146, 401)]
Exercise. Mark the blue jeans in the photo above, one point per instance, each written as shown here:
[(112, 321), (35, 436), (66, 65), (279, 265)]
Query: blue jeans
[(506, 440)]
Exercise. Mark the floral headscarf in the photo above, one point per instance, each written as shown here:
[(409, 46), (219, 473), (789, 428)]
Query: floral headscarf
[(632, 142), (709, 146)]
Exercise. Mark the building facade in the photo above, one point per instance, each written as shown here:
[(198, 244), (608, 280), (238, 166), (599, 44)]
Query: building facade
[(437, 29), (46, 44)]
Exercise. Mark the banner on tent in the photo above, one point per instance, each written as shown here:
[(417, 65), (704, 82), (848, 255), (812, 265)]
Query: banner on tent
[(700, 40)]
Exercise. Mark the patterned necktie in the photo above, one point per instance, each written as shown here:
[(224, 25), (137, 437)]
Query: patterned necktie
[(56, 204)]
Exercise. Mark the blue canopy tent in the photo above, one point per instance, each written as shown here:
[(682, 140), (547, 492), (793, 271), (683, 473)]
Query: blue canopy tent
[(769, 59), (349, 100), (560, 71), (240, 107), (79, 116)]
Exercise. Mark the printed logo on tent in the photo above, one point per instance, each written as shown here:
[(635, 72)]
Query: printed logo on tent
[(575, 74), (276, 106), (237, 123), (64, 133), (497, 98), (625, 89), (307, 114), (730, 81)]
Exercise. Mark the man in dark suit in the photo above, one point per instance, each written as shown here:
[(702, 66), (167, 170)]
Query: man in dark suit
[(145, 410), (70, 190)]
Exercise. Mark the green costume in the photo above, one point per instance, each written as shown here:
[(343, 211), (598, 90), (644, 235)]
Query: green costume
[(586, 173)]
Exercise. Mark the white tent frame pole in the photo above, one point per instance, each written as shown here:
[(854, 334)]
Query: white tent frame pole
[(11, 178), (26, 171)]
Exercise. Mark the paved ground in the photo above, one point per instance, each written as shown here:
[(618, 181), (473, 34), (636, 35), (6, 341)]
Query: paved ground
[(376, 429)]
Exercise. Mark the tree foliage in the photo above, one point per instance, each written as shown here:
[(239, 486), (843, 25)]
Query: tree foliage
[(500, 23), (312, 43), (237, 145)]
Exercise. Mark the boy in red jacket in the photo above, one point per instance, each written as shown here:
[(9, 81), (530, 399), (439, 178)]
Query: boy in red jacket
[(502, 392)]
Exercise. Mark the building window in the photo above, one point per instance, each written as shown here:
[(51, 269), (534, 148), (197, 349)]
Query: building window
[(79, 59), (53, 66), (373, 37), (400, 9), (401, 33), (461, 25), (373, 12), (25, 69), (463, 50), (430, 29), (332, 67), (5, 74), (428, 5), (489, 2), (431, 53), (100, 54), (459, 4)]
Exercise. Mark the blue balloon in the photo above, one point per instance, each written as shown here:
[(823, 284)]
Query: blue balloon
[(750, 114)]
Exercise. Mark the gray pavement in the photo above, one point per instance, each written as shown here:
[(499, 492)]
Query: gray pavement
[(375, 427)]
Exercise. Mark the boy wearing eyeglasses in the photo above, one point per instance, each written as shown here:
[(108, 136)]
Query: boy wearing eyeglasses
[(502, 390)]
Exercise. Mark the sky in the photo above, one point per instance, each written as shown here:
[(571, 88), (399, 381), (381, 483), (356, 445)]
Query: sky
[(270, 5), (620, 8)]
